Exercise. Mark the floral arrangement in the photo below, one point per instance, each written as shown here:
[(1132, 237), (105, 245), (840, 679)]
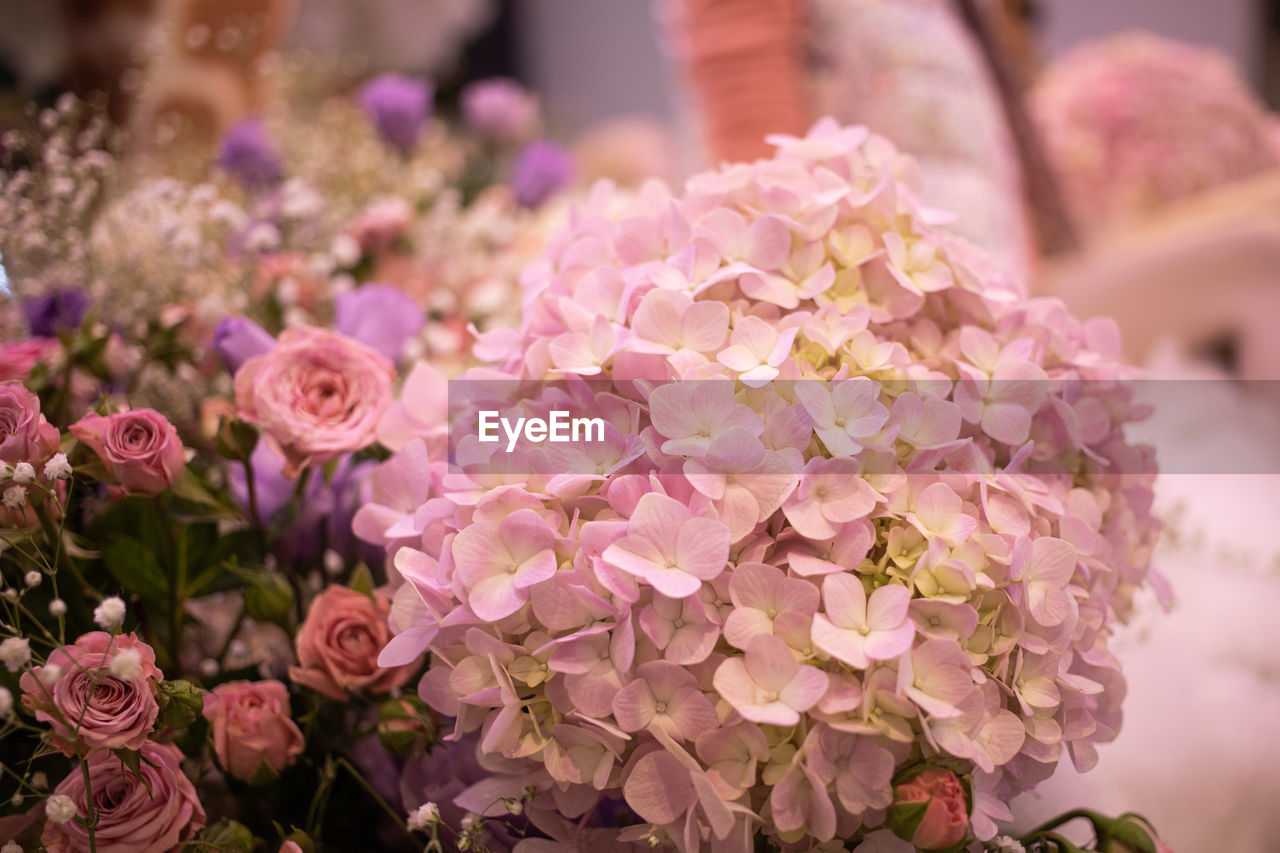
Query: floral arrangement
[(841, 571), (274, 225), (847, 560), (1135, 122), (192, 370)]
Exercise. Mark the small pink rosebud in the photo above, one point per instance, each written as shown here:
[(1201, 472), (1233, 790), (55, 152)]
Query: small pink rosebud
[(931, 810)]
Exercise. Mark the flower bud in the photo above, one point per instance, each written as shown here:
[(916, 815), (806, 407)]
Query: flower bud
[(930, 809), (404, 724)]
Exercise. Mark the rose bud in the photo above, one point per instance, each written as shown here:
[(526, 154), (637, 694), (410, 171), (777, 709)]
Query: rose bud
[(253, 736), (931, 810)]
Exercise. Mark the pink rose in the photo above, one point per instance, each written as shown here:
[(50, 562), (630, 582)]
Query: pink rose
[(25, 435), (931, 810), (317, 395), (151, 813), (381, 225), (339, 643), (253, 736), (290, 847), (19, 358), (112, 711), (140, 447)]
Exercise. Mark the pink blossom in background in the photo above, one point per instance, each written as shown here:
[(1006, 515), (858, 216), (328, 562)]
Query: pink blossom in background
[(499, 109), (1134, 123)]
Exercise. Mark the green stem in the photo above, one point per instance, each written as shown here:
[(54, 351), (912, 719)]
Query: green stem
[(91, 810), (369, 789)]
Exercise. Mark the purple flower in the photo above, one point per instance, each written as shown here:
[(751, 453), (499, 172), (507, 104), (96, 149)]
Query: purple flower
[(379, 316), (541, 170), (238, 339), (49, 314), (326, 508), (499, 109), (248, 154), (398, 106)]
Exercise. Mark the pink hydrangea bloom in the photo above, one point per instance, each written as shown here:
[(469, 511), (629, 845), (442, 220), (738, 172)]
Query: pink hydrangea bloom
[(1136, 122), (835, 518)]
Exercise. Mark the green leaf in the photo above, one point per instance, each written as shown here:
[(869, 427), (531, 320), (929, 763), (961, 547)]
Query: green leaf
[(132, 759), (229, 836), (362, 580), (236, 439), (181, 704), (137, 569), (268, 597), (190, 488)]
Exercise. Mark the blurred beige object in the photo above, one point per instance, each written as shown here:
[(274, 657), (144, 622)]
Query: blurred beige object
[(1197, 274), (627, 150), (419, 36), (206, 68), (910, 70)]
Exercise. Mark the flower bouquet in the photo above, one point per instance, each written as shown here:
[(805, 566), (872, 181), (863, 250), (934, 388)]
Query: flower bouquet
[(838, 569)]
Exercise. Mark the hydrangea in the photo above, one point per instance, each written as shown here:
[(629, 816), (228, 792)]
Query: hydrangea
[(860, 507), (1135, 122)]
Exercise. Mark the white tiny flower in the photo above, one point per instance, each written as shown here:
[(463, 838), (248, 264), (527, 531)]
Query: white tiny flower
[(209, 667), (109, 614), (16, 800), (345, 250), (262, 236), (57, 608), (6, 702), (470, 821), (10, 595), (32, 578), (1005, 844), (57, 468), (15, 497), (60, 808), (15, 653), (13, 846), (6, 471), (424, 816), (333, 562), (24, 473), (514, 806), (39, 780), (126, 665), (49, 674), (414, 349)]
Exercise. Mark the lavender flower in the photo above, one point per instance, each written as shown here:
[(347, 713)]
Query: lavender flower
[(248, 153), (541, 170), (62, 309), (379, 316), (398, 106), (238, 339)]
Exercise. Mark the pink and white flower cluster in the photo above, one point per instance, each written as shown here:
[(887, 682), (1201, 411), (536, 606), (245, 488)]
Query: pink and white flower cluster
[(1136, 122), (762, 598)]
